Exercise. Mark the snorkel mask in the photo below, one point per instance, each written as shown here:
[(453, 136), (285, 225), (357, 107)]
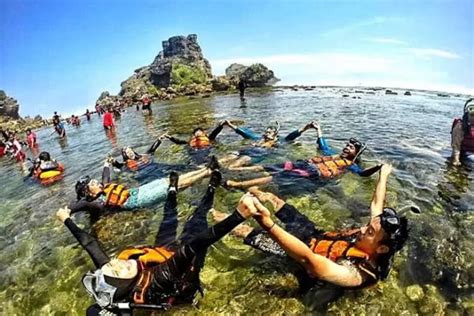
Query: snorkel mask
[(271, 132), (128, 153), (102, 292), (395, 226), (360, 147), (81, 186)]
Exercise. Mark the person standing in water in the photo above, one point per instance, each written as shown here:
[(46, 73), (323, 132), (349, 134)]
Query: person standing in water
[(242, 86), (108, 120), (88, 115)]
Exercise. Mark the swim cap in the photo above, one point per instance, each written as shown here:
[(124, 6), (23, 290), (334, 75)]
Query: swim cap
[(396, 227)]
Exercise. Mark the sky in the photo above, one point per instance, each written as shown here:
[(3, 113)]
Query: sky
[(60, 55)]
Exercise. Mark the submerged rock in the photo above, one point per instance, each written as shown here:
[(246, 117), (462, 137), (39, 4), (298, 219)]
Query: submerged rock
[(414, 292)]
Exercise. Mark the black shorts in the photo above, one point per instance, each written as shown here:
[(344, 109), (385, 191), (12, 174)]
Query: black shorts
[(295, 223), (146, 107)]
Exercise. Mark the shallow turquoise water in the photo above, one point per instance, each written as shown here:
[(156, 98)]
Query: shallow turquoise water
[(42, 266)]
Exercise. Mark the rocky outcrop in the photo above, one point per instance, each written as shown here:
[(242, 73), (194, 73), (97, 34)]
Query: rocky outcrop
[(8, 106), (180, 63), (181, 69), (256, 75)]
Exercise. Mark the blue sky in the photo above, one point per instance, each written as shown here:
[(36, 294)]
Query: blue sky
[(59, 55)]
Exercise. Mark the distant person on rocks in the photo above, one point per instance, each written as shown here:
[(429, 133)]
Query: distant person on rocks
[(108, 120), (242, 86), (462, 135)]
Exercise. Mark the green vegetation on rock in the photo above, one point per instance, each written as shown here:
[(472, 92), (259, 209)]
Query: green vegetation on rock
[(186, 74)]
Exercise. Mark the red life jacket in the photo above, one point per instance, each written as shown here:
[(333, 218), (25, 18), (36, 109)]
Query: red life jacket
[(467, 144), (135, 165), (108, 119)]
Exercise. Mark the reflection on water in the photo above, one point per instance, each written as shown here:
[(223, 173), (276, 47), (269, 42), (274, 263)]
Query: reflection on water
[(42, 266)]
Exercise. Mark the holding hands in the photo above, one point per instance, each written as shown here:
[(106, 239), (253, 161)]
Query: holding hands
[(63, 213)]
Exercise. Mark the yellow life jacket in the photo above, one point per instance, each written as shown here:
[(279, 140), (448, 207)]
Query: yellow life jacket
[(135, 165), (200, 141), (330, 166), (115, 194)]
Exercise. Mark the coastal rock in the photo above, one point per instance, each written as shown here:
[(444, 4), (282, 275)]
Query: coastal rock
[(390, 92), (180, 62), (221, 83), (234, 71), (256, 75), (407, 93), (8, 106)]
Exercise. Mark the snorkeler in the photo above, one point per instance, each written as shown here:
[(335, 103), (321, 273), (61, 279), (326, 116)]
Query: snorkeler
[(159, 276), (98, 197), (330, 165), (353, 258), (199, 139), (462, 135)]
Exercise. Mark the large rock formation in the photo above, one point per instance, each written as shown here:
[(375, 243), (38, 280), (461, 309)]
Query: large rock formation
[(179, 64), (256, 75), (8, 106)]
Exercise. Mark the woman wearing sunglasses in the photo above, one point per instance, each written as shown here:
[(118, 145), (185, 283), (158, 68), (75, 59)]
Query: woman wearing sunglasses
[(353, 258)]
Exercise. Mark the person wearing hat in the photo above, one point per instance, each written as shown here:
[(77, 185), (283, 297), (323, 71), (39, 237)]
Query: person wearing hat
[(354, 258), (329, 165), (462, 135), (162, 275)]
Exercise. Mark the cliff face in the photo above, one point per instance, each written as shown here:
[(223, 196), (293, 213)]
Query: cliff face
[(179, 64), (256, 75), (8, 106)]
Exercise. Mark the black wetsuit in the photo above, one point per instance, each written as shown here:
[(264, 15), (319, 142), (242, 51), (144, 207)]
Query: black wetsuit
[(174, 278)]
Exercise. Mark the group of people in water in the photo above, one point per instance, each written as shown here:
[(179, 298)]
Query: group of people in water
[(166, 273)]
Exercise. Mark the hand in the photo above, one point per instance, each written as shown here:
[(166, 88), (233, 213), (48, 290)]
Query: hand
[(223, 123), (263, 216), (163, 136), (109, 160), (63, 213), (386, 170), (246, 206)]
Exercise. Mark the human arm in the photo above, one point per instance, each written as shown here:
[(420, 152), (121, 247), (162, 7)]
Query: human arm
[(365, 172), (176, 140), (378, 199), (244, 132), (316, 265), (106, 173), (90, 244), (216, 131), (297, 133)]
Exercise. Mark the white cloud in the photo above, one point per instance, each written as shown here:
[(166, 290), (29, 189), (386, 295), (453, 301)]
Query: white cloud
[(386, 40), (361, 24), (432, 52)]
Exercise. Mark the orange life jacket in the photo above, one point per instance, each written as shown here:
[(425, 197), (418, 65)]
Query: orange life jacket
[(147, 257), (330, 166), (200, 141), (115, 194), (336, 247), (135, 165), (50, 176)]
